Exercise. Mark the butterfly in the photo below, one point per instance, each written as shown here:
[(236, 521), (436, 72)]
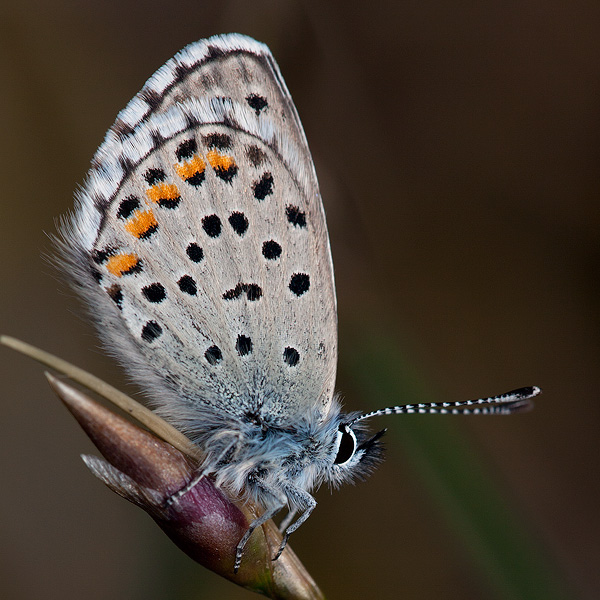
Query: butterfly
[(200, 247)]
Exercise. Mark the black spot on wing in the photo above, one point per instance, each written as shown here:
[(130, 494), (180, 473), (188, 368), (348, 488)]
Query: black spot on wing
[(252, 290), (213, 355), (196, 179), (194, 252), (226, 173), (238, 222), (212, 226), (127, 207), (255, 155), (243, 345), (188, 285), (136, 267), (257, 102), (116, 295), (101, 256), (150, 331), (291, 356), (155, 292), (299, 283), (295, 216), (271, 250), (220, 141), (153, 176), (186, 149), (263, 187)]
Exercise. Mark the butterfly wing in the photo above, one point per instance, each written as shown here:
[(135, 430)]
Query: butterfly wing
[(200, 244)]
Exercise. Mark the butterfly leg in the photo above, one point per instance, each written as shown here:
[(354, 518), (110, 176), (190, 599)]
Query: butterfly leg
[(186, 488), (203, 473), (303, 499), (269, 514)]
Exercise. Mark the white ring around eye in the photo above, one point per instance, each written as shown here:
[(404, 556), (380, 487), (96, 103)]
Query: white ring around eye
[(353, 435)]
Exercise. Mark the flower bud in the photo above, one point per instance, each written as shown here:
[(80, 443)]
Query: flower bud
[(204, 522)]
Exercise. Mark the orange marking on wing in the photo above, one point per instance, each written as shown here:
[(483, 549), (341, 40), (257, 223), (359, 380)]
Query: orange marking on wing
[(220, 161), (163, 191), (122, 264), (141, 223), (190, 167)]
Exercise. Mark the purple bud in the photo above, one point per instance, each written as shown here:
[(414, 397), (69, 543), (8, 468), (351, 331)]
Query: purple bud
[(205, 523)]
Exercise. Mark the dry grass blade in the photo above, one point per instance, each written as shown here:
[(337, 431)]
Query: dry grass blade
[(136, 410)]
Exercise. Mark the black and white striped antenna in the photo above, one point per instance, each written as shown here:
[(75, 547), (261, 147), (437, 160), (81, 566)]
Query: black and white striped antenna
[(504, 404)]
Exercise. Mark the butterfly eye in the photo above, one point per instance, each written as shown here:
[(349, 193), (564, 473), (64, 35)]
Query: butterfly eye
[(346, 445)]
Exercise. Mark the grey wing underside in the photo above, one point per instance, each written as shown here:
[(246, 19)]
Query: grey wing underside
[(200, 241)]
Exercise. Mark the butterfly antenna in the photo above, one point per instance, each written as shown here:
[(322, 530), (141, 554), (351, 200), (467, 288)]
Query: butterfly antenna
[(504, 404)]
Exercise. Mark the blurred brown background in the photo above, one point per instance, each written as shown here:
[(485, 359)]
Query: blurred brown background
[(457, 146)]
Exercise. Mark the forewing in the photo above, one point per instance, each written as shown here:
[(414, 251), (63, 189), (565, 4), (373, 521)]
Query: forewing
[(201, 245)]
